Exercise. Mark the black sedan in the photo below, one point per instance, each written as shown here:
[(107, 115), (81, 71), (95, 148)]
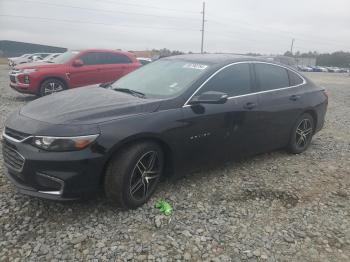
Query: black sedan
[(173, 116)]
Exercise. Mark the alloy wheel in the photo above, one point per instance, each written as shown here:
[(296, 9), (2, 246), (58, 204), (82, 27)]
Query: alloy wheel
[(303, 133), (145, 176), (52, 87)]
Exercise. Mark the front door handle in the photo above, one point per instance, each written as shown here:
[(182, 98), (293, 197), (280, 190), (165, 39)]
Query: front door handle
[(249, 105), (294, 97)]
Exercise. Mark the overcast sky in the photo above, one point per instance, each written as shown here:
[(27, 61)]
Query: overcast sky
[(237, 26)]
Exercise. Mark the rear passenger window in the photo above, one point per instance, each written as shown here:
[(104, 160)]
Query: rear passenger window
[(119, 59), (233, 80), (111, 58), (294, 79), (271, 77)]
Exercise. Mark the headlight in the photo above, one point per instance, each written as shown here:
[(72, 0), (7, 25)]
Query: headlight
[(63, 143), (28, 71)]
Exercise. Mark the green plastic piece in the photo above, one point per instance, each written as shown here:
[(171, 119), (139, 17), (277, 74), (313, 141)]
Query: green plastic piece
[(164, 207)]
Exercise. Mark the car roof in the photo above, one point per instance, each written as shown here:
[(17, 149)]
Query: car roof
[(219, 60), (104, 50)]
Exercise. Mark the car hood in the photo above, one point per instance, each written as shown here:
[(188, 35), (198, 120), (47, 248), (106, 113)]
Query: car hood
[(87, 105)]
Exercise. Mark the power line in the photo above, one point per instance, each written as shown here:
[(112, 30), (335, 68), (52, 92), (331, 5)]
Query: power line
[(235, 37), (151, 7), (280, 36), (227, 34), (107, 11), (165, 28), (95, 23), (282, 33)]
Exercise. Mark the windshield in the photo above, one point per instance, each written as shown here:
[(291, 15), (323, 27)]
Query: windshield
[(49, 57), (65, 57), (163, 78)]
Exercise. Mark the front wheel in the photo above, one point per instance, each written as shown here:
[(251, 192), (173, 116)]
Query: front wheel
[(133, 174), (301, 134), (51, 86)]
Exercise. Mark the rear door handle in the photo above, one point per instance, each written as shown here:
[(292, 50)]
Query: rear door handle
[(294, 97), (249, 105)]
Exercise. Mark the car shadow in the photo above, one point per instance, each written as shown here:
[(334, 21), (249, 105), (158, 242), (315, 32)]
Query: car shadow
[(23, 98)]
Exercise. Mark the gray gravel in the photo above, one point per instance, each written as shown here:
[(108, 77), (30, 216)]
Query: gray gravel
[(272, 207)]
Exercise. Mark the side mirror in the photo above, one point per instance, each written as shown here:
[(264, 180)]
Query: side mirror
[(78, 63), (209, 97), (105, 85)]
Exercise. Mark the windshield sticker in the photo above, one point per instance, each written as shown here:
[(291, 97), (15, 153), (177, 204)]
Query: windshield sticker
[(195, 66)]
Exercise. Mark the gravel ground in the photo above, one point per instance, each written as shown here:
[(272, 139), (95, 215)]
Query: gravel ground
[(272, 207)]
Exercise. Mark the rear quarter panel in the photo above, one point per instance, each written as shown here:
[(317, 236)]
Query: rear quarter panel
[(315, 101)]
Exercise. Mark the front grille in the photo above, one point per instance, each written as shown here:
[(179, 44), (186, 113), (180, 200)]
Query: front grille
[(12, 158), (12, 79), (16, 134)]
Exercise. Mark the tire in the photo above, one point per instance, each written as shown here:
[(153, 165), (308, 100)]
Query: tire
[(130, 174), (50, 86), (301, 134)]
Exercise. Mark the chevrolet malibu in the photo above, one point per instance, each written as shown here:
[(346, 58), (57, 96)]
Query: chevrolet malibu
[(173, 116)]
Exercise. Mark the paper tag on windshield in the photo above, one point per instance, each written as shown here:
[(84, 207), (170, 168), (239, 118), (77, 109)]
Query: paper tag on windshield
[(195, 66)]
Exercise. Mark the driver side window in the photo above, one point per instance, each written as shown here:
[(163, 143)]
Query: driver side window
[(234, 80), (90, 58)]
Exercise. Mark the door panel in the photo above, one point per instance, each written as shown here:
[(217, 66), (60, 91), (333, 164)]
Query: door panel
[(279, 105), (206, 134), (244, 127), (112, 66), (83, 75), (110, 72), (214, 133), (278, 113), (88, 74)]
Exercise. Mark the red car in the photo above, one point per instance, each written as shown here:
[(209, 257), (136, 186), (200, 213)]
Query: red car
[(72, 69)]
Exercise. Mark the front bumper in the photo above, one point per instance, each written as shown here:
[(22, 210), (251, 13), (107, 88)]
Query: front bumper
[(22, 88), (25, 88), (52, 175), (26, 190)]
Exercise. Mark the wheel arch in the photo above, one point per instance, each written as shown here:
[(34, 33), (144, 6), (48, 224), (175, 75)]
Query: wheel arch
[(167, 150), (314, 116), (60, 78)]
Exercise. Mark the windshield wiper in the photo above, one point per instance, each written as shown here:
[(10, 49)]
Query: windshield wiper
[(130, 91)]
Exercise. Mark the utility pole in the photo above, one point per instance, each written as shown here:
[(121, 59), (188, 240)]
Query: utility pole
[(203, 21), (291, 47)]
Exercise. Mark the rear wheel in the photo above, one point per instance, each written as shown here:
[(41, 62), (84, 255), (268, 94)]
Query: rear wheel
[(133, 174), (51, 86), (301, 134)]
